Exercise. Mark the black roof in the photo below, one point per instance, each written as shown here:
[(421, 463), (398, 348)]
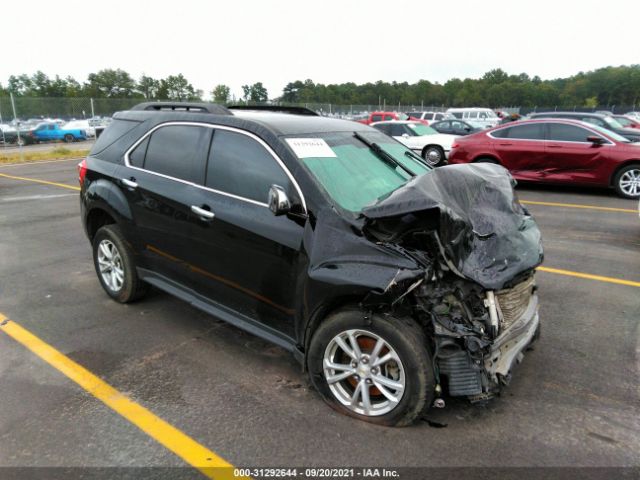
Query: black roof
[(276, 122)]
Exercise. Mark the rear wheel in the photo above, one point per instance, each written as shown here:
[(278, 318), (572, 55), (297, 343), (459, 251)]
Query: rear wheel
[(379, 371), (433, 155), (68, 138), (627, 181), (115, 265)]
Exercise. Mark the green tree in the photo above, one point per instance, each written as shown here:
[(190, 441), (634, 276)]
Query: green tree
[(221, 94), (256, 93), (148, 87), (177, 87), (110, 83)]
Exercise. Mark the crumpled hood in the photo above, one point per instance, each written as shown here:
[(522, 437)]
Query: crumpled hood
[(484, 231)]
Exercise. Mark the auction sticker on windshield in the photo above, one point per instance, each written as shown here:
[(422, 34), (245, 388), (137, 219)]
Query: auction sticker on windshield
[(310, 148)]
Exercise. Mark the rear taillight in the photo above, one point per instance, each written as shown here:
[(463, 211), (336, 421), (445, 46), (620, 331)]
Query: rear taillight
[(82, 171)]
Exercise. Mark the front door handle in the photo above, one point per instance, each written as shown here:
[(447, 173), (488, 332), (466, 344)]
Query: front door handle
[(130, 183), (202, 213)]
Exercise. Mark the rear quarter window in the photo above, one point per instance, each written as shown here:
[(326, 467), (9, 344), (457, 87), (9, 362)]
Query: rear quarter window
[(116, 130)]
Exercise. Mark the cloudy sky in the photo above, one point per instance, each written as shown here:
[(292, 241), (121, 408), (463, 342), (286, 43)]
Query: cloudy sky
[(330, 41)]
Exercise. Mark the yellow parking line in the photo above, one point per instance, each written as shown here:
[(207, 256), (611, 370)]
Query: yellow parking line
[(576, 205), (169, 436), (589, 276), (36, 180)]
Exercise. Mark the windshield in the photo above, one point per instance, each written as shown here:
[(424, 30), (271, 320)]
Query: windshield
[(613, 135), (625, 122), (351, 173), (421, 129), (613, 123)]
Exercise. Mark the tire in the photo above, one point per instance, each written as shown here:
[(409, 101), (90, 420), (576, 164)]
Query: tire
[(119, 278), (69, 138), (486, 160), (433, 155), (410, 366), (627, 181)]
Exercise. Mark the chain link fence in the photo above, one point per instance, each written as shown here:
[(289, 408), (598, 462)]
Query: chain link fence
[(33, 109)]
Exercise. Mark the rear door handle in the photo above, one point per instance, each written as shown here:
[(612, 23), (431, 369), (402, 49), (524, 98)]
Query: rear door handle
[(129, 183), (202, 213)]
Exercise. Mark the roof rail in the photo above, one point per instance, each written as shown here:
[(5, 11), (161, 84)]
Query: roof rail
[(183, 107), (276, 108)]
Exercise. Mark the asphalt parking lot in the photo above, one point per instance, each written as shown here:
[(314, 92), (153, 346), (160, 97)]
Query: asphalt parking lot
[(574, 401)]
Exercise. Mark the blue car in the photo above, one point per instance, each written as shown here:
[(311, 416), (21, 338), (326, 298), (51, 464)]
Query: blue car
[(46, 132)]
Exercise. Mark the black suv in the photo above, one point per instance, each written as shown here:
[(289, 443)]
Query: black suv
[(391, 282), (601, 120)]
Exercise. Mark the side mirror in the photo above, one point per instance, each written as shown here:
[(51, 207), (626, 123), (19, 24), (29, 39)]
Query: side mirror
[(405, 135), (595, 139), (279, 203), (467, 129)]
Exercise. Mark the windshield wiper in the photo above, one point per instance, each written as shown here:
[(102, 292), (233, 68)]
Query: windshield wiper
[(383, 155), (414, 155)]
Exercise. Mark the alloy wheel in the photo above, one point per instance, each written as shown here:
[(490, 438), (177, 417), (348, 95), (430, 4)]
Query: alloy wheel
[(111, 265), (630, 182), (364, 372)]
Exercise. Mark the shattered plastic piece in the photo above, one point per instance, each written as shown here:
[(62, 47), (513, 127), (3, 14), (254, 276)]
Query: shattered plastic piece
[(484, 231)]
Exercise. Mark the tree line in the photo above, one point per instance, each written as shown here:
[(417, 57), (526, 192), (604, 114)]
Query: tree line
[(116, 83), (496, 88)]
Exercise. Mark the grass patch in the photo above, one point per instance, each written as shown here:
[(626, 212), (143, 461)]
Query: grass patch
[(58, 153)]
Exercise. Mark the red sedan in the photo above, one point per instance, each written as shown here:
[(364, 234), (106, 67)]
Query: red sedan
[(556, 151)]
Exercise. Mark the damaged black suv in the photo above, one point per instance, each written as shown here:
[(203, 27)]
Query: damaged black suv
[(392, 283)]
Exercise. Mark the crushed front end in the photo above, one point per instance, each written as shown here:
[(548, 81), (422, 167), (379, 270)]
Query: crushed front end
[(478, 335), (479, 249)]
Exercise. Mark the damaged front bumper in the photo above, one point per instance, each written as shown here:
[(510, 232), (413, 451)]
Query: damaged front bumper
[(477, 367), (508, 348)]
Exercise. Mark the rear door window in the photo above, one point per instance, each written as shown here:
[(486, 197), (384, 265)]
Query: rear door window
[(533, 131), (397, 130), (560, 132), (376, 118), (241, 166), (178, 151)]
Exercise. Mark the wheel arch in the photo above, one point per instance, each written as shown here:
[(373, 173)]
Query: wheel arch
[(624, 164), (486, 155)]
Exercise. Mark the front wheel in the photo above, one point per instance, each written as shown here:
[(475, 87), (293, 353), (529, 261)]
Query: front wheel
[(627, 181), (433, 155), (378, 370)]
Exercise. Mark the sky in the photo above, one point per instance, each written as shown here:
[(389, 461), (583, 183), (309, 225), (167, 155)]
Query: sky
[(329, 41)]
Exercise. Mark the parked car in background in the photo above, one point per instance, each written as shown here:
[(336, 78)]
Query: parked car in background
[(604, 121), (429, 117), (478, 117), (432, 146), (382, 116), (627, 122), (47, 132), (557, 151), (10, 136), (454, 127), (634, 115), (80, 125)]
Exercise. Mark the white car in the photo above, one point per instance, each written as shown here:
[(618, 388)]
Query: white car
[(434, 147), (477, 117), (430, 117), (81, 125)]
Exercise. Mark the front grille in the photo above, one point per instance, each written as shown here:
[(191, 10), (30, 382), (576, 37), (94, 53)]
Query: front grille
[(513, 302)]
